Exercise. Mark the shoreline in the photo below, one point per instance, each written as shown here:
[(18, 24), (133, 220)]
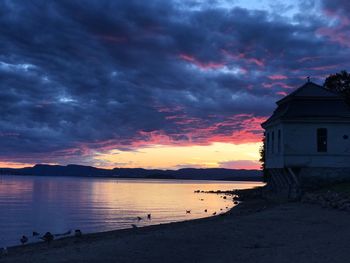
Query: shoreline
[(172, 208), (243, 208), (99, 234), (253, 231)]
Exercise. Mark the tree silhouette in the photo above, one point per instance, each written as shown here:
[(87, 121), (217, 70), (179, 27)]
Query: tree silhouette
[(262, 159), (340, 83)]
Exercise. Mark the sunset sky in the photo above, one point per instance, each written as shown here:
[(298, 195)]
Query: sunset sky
[(156, 83)]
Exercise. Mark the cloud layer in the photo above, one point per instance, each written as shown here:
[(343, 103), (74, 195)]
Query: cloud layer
[(84, 77)]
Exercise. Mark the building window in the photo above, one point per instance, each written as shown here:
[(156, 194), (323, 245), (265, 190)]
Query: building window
[(273, 142), (279, 141), (322, 140)]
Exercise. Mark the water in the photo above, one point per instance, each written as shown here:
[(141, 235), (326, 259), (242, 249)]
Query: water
[(58, 204)]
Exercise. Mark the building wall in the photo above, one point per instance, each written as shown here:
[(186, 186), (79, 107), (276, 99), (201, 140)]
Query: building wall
[(274, 148), (299, 146)]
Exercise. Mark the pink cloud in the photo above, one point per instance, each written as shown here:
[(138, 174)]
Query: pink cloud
[(304, 59), (202, 65), (243, 57), (237, 129), (277, 77), (282, 93), (281, 84), (339, 33), (321, 68)]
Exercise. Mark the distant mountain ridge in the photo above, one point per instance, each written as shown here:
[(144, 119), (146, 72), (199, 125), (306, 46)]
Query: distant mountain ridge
[(89, 171)]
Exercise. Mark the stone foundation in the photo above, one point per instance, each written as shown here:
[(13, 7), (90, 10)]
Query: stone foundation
[(290, 182)]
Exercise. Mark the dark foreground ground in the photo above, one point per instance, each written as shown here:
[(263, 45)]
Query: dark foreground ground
[(253, 232)]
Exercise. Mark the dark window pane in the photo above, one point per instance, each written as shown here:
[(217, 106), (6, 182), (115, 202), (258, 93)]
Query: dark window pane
[(279, 141), (322, 140)]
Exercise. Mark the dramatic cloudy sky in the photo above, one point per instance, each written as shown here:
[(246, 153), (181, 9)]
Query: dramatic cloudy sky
[(156, 83)]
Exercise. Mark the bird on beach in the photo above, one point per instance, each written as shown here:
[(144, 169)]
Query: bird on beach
[(235, 202), (220, 209), (134, 226), (206, 210), (78, 233), (139, 218), (214, 213), (188, 211), (48, 237), (149, 216), (35, 234), (24, 239)]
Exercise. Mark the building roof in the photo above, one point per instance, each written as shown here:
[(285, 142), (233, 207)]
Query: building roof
[(310, 102)]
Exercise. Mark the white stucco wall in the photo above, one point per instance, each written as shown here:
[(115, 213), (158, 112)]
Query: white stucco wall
[(273, 155), (299, 148)]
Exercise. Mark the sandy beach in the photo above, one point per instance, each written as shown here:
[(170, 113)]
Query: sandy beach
[(251, 232)]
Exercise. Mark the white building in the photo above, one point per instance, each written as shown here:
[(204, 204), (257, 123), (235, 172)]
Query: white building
[(307, 138)]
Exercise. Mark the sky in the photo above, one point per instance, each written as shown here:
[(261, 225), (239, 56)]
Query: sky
[(158, 83)]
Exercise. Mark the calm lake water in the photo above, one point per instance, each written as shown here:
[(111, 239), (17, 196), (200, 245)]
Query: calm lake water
[(58, 204)]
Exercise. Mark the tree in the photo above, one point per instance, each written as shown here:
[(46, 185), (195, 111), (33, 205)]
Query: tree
[(340, 83), (262, 159)]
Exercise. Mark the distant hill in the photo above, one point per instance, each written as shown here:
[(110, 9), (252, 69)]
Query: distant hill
[(89, 171)]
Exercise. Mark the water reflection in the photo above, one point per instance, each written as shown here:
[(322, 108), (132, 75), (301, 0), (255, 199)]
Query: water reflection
[(58, 204)]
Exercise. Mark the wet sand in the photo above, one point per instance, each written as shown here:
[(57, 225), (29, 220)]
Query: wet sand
[(251, 232)]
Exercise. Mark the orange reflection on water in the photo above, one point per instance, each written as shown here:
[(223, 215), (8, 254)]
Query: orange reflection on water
[(57, 204)]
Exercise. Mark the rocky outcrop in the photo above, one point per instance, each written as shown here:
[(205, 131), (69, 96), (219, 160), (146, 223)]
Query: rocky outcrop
[(329, 199)]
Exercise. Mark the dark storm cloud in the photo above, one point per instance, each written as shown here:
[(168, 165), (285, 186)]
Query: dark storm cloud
[(84, 76)]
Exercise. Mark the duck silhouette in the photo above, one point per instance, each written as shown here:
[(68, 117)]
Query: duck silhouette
[(78, 233), (24, 239), (48, 237)]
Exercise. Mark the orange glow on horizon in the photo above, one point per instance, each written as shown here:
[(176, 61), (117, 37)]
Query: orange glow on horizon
[(14, 165), (215, 155)]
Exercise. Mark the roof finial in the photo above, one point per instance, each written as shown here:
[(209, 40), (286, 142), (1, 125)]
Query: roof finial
[(308, 79)]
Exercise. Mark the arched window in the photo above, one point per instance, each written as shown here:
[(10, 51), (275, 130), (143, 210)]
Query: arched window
[(322, 140)]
